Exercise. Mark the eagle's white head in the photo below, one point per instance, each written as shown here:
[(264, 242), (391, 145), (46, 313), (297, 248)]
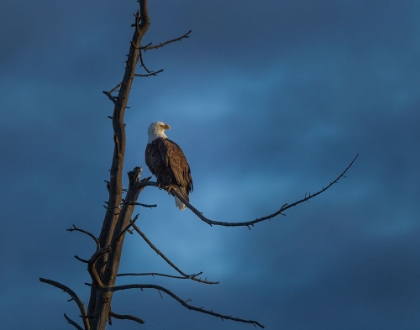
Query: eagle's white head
[(157, 130)]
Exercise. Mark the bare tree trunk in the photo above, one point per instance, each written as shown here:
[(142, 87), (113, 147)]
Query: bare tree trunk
[(116, 218)]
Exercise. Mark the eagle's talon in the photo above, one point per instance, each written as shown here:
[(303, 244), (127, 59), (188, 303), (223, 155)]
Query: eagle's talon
[(169, 188)]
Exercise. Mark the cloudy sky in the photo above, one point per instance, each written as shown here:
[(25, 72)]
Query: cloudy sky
[(269, 100)]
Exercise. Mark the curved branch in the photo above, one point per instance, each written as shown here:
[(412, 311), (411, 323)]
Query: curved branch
[(125, 317), (87, 233), (81, 259), (251, 223), (191, 277), (70, 321), (73, 295), (91, 266), (142, 64), (182, 302)]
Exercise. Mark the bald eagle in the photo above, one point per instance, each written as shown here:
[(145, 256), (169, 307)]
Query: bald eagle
[(168, 163)]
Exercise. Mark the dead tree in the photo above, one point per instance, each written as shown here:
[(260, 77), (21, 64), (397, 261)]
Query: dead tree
[(104, 263)]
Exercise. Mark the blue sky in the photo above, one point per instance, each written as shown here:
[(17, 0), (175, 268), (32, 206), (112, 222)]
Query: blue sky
[(268, 100)]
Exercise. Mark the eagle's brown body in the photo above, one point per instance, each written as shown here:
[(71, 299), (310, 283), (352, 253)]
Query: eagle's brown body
[(168, 163)]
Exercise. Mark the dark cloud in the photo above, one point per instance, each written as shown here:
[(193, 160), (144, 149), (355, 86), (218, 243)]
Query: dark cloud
[(269, 101)]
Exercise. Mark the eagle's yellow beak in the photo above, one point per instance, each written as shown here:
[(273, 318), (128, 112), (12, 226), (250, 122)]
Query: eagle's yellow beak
[(166, 126)]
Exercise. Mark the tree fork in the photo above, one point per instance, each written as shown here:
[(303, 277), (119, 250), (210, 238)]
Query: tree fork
[(103, 297)]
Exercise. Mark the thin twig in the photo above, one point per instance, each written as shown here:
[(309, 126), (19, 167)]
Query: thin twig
[(125, 317), (109, 94), (82, 260), (127, 227), (154, 73), (74, 297), (144, 205), (192, 277), (160, 274), (115, 88), (112, 98), (87, 233), (148, 47), (70, 321), (182, 302)]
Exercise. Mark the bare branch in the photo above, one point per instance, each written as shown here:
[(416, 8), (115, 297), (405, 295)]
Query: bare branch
[(148, 47), (87, 233), (127, 227), (160, 274), (125, 317), (73, 295), (192, 277), (144, 205), (142, 63), (182, 302), (150, 184), (112, 98), (154, 73), (115, 88), (251, 223), (78, 327), (82, 260)]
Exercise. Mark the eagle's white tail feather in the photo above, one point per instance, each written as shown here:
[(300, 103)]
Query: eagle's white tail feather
[(178, 203)]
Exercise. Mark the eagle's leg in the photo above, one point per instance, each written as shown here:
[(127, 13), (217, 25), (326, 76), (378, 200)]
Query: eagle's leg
[(171, 187)]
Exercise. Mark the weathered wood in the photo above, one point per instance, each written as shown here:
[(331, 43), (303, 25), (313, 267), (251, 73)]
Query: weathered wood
[(117, 217)]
